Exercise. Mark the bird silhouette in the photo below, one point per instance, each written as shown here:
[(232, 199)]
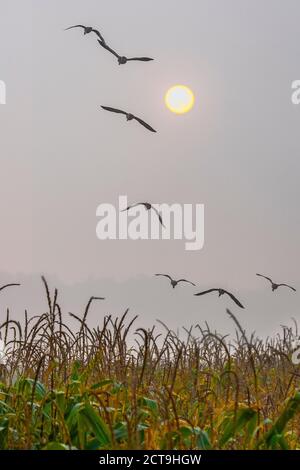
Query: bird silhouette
[(121, 58), (148, 207), (8, 285), (222, 292), (274, 285), (88, 30), (129, 117), (174, 282)]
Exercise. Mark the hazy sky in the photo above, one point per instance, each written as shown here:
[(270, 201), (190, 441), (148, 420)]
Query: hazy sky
[(237, 152)]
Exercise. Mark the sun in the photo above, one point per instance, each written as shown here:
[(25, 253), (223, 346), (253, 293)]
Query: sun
[(179, 99)]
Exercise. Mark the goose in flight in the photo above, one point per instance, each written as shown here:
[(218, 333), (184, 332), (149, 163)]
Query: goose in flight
[(274, 285), (222, 292), (148, 207), (88, 30), (174, 282), (122, 59), (129, 117), (8, 285)]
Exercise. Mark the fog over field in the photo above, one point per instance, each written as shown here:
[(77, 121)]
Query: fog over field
[(237, 152)]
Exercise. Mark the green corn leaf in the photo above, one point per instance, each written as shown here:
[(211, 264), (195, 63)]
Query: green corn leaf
[(202, 440), (95, 424), (292, 407), (101, 384), (121, 431), (148, 403), (232, 426)]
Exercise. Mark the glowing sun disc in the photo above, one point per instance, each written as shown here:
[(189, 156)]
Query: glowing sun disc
[(179, 99)]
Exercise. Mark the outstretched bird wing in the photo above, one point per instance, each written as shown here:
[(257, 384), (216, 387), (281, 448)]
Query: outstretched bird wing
[(286, 285), (113, 110), (142, 59), (261, 275), (234, 299), (109, 49), (185, 280), (144, 124), (159, 216), (99, 35), (206, 292), (133, 205), (165, 275), (8, 285), (75, 26)]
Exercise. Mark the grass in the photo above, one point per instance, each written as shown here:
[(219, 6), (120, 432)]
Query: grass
[(100, 389)]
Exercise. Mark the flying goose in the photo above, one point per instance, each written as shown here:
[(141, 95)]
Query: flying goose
[(122, 59), (148, 207), (88, 30), (222, 292), (174, 282), (274, 285), (129, 117)]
